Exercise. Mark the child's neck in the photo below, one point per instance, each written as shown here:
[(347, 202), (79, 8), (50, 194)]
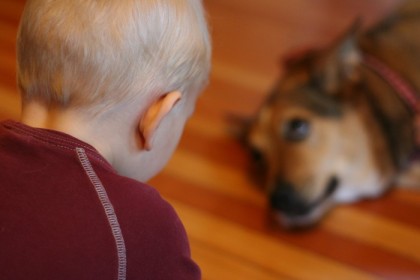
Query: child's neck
[(71, 122)]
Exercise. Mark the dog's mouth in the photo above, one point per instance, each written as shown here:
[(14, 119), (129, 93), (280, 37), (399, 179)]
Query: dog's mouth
[(294, 212)]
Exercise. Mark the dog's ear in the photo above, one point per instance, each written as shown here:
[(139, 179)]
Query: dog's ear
[(340, 63), (298, 57)]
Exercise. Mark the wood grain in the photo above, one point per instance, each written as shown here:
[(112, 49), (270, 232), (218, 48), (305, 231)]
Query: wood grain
[(207, 181)]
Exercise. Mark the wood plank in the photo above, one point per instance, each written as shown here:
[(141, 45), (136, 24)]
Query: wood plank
[(200, 171), (377, 231), (262, 250), (218, 264)]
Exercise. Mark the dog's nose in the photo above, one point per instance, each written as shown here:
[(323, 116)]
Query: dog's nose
[(284, 198)]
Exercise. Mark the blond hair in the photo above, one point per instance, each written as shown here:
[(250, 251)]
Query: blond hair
[(96, 53)]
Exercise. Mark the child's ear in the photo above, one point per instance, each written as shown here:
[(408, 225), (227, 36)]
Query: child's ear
[(154, 116)]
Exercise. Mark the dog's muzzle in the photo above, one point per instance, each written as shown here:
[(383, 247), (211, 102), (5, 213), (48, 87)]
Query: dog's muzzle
[(286, 200)]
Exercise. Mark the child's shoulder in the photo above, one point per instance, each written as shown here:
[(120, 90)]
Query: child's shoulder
[(148, 221), (139, 202)]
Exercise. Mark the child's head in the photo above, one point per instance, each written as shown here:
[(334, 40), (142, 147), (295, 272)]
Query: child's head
[(95, 53), (102, 58)]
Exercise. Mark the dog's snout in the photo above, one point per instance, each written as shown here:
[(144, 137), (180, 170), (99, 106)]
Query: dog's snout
[(284, 198)]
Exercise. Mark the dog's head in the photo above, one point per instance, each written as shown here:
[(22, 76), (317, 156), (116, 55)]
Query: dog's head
[(314, 139)]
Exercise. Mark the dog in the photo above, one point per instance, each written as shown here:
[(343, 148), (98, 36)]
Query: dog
[(339, 125)]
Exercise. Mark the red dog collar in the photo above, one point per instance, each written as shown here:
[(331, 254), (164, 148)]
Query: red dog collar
[(405, 91)]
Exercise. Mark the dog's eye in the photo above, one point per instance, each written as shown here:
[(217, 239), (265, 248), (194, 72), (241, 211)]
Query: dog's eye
[(296, 129)]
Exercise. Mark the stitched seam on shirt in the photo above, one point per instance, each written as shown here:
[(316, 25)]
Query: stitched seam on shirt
[(109, 211)]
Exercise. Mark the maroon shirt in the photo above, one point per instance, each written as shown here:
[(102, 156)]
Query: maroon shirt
[(66, 214)]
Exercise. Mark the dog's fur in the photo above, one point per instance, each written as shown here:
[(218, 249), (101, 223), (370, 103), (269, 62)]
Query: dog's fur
[(333, 131)]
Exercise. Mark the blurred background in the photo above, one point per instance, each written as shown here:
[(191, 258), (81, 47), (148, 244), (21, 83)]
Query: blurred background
[(224, 212)]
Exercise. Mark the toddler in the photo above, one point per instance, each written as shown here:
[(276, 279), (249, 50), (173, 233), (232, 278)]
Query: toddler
[(106, 86)]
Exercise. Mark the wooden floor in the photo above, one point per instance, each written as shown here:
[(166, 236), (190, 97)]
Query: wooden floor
[(225, 214)]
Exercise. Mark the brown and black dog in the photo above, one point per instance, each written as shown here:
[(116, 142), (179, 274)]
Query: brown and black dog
[(339, 126)]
